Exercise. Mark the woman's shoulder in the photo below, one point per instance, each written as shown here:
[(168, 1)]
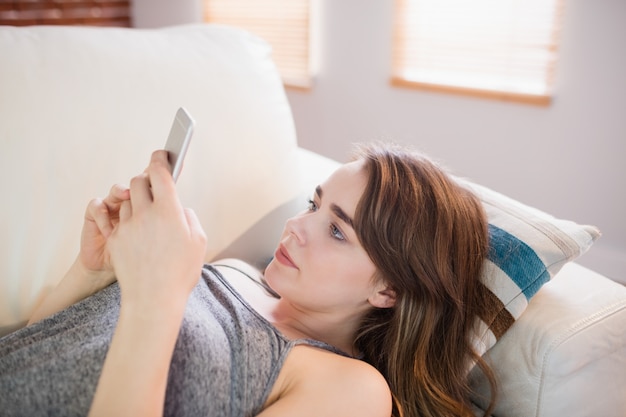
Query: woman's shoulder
[(325, 383)]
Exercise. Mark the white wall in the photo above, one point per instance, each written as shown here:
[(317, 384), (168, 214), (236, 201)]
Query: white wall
[(157, 13), (565, 159)]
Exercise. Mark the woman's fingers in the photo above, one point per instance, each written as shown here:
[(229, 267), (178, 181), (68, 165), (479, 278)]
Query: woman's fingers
[(126, 211), (152, 184), (105, 212), (195, 228), (117, 194), (140, 191), (163, 185), (98, 213)]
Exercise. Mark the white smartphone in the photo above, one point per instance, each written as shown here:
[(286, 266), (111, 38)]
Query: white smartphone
[(178, 140)]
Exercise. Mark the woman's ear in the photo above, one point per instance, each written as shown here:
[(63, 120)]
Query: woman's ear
[(384, 297)]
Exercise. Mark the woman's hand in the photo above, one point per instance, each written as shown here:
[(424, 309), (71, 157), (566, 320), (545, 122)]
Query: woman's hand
[(143, 236), (92, 269), (101, 218), (156, 247)]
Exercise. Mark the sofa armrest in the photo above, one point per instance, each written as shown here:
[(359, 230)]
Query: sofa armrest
[(256, 245), (566, 355)]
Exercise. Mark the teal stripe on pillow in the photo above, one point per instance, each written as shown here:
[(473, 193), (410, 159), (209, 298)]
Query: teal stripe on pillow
[(518, 260)]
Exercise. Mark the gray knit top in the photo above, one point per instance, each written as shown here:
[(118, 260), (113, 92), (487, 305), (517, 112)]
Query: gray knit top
[(225, 362)]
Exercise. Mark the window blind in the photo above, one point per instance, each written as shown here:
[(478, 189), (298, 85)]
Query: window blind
[(284, 24), (504, 49)]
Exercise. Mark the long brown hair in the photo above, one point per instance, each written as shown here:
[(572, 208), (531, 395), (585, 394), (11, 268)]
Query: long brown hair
[(428, 238)]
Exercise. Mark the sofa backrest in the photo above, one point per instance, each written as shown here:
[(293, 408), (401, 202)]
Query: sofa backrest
[(82, 108)]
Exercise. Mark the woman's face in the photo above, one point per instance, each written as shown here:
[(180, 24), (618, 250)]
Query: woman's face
[(320, 264)]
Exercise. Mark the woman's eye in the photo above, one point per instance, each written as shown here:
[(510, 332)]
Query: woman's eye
[(336, 233)]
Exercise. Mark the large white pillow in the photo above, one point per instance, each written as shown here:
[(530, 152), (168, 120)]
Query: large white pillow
[(82, 108)]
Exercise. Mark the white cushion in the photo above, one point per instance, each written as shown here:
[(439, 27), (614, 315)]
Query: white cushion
[(82, 108), (527, 248)]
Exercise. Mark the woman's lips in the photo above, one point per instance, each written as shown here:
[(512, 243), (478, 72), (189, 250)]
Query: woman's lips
[(282, 256)]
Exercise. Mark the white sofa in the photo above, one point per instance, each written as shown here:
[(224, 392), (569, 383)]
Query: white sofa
[(82, 108)]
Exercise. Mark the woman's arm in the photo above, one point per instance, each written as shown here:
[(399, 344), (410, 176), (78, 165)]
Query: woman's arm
[(157, 250), (91, 271), (134, 378)]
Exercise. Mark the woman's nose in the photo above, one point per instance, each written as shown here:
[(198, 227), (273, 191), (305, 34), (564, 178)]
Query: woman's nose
[(296, 229)]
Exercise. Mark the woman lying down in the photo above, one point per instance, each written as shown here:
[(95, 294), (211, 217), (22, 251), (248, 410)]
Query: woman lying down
[(365, 310)]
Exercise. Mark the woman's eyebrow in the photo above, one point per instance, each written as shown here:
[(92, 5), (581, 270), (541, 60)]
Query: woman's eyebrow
[(342, 215), (336, 209)]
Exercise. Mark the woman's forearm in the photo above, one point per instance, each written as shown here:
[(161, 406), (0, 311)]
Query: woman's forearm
[(77, 284), (134, 377), (157, 250)]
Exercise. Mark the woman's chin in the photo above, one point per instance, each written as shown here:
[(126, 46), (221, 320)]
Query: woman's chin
[(271, 275)]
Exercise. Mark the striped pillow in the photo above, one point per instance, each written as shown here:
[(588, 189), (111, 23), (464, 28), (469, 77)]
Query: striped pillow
[(527, 248)]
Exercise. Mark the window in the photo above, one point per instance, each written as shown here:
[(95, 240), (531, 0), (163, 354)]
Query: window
[(284, 24), (502, 49)]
